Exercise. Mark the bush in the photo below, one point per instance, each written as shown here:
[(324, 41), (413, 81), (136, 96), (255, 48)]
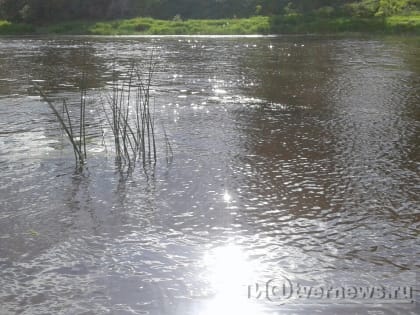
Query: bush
[(390, 7), (325, 11), (292, 18), (142, 27), (102, 29), (366, 8), (7, 28)]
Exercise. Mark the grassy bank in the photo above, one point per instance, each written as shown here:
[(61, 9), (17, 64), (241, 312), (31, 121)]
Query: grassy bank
[(290, 24), (298, 24), (149, 26), (7, 28)]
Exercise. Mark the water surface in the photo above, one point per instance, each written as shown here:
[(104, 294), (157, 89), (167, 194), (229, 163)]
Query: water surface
[(294, 157)]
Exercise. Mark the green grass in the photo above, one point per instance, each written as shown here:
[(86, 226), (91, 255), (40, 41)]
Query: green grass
[(299, 24), (398, 24), (288, 24), (7, 28), (149, 26), (68, 28)]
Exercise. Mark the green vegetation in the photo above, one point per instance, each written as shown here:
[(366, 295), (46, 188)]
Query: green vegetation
[(78, 142), (33, 233), (149, 26), (7, 28), (134, 135), (292, 24), (309, 24), (119, 17)]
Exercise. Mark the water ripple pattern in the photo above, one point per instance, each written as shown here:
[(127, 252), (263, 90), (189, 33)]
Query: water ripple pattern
[(293, 157)]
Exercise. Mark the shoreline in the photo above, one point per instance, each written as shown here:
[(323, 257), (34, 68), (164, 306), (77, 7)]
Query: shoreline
[(254, 26)]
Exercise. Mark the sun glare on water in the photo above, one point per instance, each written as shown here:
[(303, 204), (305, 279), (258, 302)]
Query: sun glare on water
[(227, 197), (229, 274)]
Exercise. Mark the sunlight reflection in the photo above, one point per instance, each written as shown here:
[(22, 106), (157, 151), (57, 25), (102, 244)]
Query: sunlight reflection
[(228, 306), (230, 273), (227, 197), (228, 267)]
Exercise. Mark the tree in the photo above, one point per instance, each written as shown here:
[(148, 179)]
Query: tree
[(10, 9), (389, 7), (46, 11)]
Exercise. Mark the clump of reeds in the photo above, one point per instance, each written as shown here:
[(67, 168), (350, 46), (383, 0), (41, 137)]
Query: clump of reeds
[(129, 112), (130, 115), (77, 139)]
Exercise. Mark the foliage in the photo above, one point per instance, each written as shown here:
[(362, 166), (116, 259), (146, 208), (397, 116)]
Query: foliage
[(389, 7), (366, 8), (47, 11), (311, 24), (113, 17), (149, 26), (326, 11), (7, 28), (403, 23)]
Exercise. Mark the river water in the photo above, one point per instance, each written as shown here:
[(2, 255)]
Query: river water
[(296, 162)]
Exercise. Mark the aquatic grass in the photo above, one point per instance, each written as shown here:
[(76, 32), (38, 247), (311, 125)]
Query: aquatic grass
[(78, 141), (129, 111), (130, 116)]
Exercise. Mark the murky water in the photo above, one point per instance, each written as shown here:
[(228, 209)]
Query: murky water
[(294, 157)]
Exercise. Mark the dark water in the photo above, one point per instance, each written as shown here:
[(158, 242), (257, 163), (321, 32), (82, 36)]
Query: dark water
[(294, 157)]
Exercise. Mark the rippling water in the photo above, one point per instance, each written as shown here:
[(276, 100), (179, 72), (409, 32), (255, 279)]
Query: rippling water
[(294, 157)]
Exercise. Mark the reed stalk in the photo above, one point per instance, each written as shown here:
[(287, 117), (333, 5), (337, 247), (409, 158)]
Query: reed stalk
[(131, 119), (79, 147), (129, 113)]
